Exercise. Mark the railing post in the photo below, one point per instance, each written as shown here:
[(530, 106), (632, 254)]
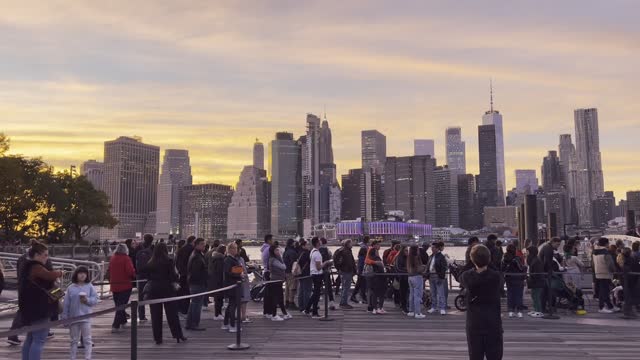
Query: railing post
[(326, 299), (238, 345), (134, 330)]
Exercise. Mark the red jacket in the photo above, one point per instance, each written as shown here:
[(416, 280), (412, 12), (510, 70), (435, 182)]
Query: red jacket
[(121, 273)]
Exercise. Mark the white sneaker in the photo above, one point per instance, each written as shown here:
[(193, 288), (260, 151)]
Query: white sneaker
[(287, 317), (381, 312), (218, 318), (233, 329), (616, 309), (511, 314), (443, 312), (276, 318), (519, 315), (411, 314), (538, 314), (246, 321), (530, 313), (268, 316), (420, 316), (374, 312), (224, 327), (605, 311), (431, 311)]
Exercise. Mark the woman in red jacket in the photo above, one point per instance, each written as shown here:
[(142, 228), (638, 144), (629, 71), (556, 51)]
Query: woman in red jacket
[(121, 274)]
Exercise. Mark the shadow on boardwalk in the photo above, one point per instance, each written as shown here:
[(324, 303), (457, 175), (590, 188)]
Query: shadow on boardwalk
[(355, 334)]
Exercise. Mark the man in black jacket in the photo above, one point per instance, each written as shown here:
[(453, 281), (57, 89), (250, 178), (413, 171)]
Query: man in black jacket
[(326, 255), (197, 279), (345, 263), (182, 261), (546, 255), (290, 256), (496, 253), (143, 256), (437, 268)]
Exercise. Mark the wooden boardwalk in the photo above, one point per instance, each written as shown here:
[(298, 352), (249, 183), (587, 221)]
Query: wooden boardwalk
[(355, 334)]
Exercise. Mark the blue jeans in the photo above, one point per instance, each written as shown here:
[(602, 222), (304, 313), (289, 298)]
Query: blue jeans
[(195, 307), (34, 344), (304, 292), (514, 297), (345, 283), (437, 292), (416, 290)]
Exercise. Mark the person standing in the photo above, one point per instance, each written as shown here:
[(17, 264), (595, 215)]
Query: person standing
[(547, 254), (163, 283), (468, 264), (535, 281), (215, 270), (242, 252), (603, 266), (278, 271), (496, 253), (197, 279), (79, 298), (232, 274), (182, 264), (403, 280), (143, 255), (305, 284), (483, 324), (121, 275), (514, 274), (317, 277), (631, 285), (346, 265), (290, 256), (377, 282), (326, 256), (268, 288), (416, 270), (361, 283), (437, 271)]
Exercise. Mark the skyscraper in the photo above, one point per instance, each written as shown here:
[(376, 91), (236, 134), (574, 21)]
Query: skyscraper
[(493, 117), (409, 187), (258, 155), (285, 186), (329, 187), (456, 150), (590, 182), (526, 181), (310, 157), (569, 176), (131, 183), (94, 171), (374, 150), (488, 192), (204, 209), (552, 177), (424, 147), (176, 173), (446, 197), (351, 196), (374, 155), (249, 214), (468, 203), (604, 209)]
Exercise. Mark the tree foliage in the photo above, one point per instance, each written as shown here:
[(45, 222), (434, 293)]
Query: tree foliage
[(36, 202)]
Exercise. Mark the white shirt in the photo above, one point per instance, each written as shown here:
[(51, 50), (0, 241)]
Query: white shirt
[(316, 257)]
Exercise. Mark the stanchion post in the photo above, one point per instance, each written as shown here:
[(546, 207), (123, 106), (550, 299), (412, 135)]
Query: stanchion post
[(134, 330), (326, 299), (551, 314), (238, 344)]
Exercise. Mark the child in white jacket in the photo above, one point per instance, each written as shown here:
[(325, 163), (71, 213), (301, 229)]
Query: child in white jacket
[(78, 300)]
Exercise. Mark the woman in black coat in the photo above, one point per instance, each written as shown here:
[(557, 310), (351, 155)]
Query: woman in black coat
[(162, 283), (232, 274), (215, 269)]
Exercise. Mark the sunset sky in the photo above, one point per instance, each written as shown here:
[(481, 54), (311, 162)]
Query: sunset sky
[(211, 76)]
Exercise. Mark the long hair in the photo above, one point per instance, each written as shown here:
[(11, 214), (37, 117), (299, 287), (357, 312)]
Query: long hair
[(80, 269), (532, 253), (160, 254), (414, 258)]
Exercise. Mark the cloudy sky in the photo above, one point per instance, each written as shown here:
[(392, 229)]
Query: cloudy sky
[(212, 76)]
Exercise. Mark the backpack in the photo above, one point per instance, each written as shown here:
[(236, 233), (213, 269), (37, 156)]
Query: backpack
[(338, 258)]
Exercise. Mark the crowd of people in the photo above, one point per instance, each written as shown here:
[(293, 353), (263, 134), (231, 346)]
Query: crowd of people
[(304, 268)]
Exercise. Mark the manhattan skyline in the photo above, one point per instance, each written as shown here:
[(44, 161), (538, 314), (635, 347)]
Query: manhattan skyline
[(191, 79)]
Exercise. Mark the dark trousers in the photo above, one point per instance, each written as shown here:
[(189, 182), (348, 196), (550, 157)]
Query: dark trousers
[(230, 313), (361, 287), (546, 290), (329, 285), (484, 345), (278, 300), (142, 314), (171, 311), (404, 293), (267, 299), (120, 298), (604, 286), (514, 297), (16, 323), (377, 289), (183, 305), (315, 295), (218, 303)]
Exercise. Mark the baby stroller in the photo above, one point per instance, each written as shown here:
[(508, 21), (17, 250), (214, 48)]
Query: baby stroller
[(257, 287), (568, 295), (617, 294), (459, 302)]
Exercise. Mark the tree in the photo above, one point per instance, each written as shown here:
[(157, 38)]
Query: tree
[(4, 144), (85, 208)]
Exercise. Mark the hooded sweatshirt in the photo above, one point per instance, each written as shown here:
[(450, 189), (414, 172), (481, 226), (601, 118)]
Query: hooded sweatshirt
[(72, 307), (483, 301), (603, 265)]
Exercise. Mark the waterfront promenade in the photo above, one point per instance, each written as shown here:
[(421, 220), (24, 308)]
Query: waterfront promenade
[(355, 334)]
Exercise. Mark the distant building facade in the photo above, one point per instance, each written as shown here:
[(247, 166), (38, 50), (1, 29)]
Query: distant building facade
[(176, 174), (249, 215), (204, 210)]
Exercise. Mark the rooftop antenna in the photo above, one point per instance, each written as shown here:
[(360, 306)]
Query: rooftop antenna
[(325, 112), (491, 92)]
